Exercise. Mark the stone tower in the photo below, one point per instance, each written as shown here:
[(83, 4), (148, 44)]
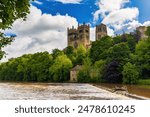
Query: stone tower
[(78, 36), (101, 31), (84, 34), (140, 32), (72, 37)]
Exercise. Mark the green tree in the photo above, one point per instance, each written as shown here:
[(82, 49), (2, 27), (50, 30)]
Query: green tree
[(130, 74), (148, 31), (120, 53), (112, 73), (56, 53), (81, 54), (11, 10), (71, 54), (96, 72), (131, 42), (117, 39), (39, 64), (99, 48), (3, 42), (61, 68), (84, 74), (142, 57)]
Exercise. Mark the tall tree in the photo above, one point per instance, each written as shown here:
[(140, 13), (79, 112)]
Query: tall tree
[(81, 54), (148, 31), (130, 74), (99, 48), (142, 57), (61, 68), (11, 10), (112, 73)]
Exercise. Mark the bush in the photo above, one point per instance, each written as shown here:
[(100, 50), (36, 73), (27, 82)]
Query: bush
[(112, 73), (130, 74), (83, 76)]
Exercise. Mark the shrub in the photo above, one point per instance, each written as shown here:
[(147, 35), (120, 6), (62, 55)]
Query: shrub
[(130, 74)]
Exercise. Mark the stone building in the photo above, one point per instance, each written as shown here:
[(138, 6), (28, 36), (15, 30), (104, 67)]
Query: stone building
[(140, 32), (78, 36), (74, 72), (101, 31), (81, 35)]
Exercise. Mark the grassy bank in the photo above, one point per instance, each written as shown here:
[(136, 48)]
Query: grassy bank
[(144, 82)]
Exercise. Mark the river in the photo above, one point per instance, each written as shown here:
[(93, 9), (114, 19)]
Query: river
[(140, 90), (55, 91)]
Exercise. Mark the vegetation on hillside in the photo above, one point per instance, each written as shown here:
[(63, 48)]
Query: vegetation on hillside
[(114, 60)]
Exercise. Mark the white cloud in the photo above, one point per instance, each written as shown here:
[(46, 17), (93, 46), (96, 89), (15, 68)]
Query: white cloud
[(147, 23), (69, 1), (121, 16), (107, 6), (110, 31), (116, 15), (92, 34), (40, 32), (38, 2)]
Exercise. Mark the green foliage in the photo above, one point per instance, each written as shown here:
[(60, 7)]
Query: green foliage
[(61, 68), (148, 31), (71, 53), (131, 42), (56, 53), (33, 68), (144, 82), (90, 73), (96, 72), (3, 42), (112, 73), (106, 61), (130, 74), (11, 10), (99, 48), (117, 39), (142, 57), (81, 54), (83, 75), (119, 52)]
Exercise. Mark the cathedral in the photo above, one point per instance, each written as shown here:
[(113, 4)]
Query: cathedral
[(81, 35)]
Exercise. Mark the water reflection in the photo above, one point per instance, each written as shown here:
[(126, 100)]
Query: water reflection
[(51, 91)]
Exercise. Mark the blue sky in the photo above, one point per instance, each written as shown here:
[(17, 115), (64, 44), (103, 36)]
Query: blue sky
[(46, 26), (83, 11), (144, 8)]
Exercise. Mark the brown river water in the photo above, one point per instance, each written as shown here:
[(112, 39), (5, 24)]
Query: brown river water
[(55, 91), (140, 90)]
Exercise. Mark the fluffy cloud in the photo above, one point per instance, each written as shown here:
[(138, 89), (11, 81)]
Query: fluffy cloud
[(121, 16), (40, 32), (107, 6), (69, 1), (147, 23), (117, 16)]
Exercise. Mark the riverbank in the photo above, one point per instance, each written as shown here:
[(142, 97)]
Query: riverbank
[(139, 92)]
